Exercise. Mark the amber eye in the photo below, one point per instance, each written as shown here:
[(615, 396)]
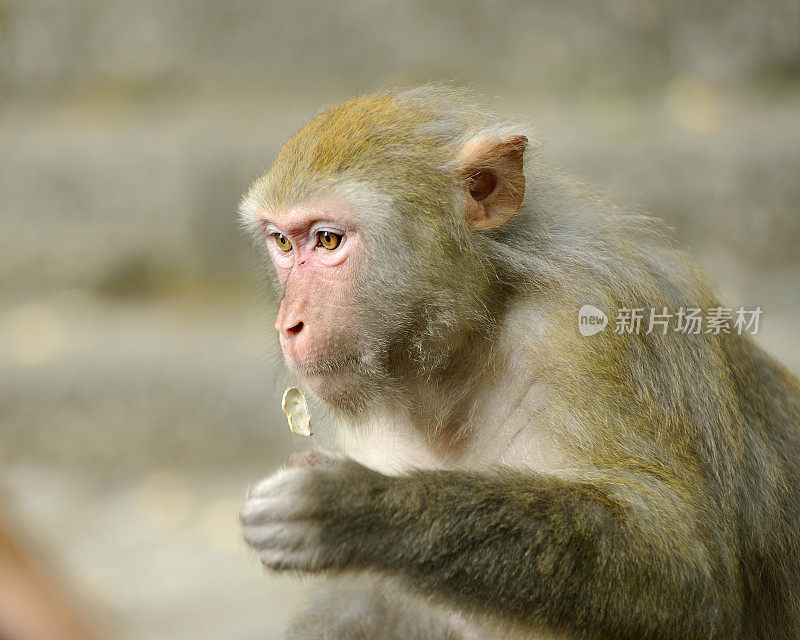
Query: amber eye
[(329, 240), (282, 241)]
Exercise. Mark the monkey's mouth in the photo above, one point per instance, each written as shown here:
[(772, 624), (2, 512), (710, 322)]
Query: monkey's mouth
[(350, 364)]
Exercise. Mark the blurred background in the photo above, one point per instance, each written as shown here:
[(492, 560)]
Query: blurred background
[(138, 396)]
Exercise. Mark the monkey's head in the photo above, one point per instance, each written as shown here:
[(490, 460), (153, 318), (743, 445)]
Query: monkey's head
[(376, 216)]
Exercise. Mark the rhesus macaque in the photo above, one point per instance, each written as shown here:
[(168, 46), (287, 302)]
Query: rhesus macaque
[(507, 476)]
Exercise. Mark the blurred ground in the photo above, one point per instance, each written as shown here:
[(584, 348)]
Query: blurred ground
[(137, 394)]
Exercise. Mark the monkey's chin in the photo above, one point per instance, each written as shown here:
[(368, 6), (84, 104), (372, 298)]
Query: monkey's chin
[(336, 384)]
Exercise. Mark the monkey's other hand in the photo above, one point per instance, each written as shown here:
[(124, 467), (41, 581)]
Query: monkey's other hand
[(309, 517)]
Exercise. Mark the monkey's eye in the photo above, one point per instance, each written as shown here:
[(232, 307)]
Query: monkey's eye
[(282, 241), (328, 239)]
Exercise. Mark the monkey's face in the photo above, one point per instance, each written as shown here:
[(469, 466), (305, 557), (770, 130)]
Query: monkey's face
[(316, 250), (354, 304)]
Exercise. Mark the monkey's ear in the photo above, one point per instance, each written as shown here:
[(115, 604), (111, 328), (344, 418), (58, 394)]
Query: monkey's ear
[(494, 180)]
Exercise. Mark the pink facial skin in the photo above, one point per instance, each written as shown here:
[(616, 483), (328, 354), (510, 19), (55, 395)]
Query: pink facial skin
[(314, 316)]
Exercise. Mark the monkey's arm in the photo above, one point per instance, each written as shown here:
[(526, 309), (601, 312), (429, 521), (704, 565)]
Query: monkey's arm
[(620, 556)]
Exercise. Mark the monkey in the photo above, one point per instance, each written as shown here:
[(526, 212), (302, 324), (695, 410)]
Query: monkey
[(500, 474)]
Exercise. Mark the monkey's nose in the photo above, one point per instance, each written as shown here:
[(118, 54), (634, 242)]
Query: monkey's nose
[(289, 321), (294, 330)]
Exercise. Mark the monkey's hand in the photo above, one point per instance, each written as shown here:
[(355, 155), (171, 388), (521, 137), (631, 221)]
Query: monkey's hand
[(293, 518)]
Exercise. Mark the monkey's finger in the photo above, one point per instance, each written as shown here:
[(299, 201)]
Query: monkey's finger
[(285, 536), (304, 560), (279, 483), (260, 511)]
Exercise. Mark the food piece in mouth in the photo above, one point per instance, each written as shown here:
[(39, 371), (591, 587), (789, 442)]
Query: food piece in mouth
[(296, 410)]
